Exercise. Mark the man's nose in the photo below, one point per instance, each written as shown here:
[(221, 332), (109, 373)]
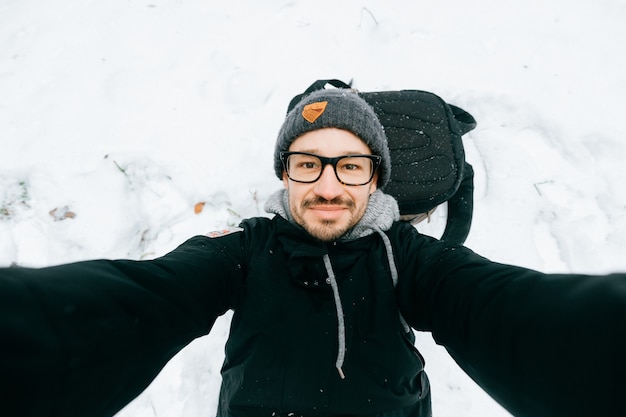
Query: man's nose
[(328, 186)]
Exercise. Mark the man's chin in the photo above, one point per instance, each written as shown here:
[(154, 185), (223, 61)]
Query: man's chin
[(326, 230)]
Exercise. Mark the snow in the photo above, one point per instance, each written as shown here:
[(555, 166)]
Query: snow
[(117, 118)]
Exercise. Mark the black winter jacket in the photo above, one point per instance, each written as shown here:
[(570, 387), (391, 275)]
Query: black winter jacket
[(84, 339), (280, 357)]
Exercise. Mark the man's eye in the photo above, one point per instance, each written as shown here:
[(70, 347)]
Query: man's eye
[(308, 165), (351, 166)]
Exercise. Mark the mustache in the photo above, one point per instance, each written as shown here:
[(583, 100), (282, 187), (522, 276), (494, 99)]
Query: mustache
[(320, 201)]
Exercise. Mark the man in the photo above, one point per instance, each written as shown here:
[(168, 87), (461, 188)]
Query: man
[(324, 295)]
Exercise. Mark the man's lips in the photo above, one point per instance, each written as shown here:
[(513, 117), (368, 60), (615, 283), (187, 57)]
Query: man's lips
[(327, 207), (327, 210)]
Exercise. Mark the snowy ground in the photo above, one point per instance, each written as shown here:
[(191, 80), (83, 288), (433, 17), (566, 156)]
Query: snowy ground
[(118, 117)]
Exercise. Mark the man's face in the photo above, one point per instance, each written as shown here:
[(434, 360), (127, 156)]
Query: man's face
[(326, 208)]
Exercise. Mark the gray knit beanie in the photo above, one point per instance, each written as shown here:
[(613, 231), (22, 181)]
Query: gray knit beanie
[(335, 107)]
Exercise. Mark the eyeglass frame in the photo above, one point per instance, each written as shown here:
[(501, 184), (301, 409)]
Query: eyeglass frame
[(376, 160)]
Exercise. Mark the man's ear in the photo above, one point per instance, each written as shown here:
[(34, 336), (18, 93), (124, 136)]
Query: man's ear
[(285, 180), (374, 183)]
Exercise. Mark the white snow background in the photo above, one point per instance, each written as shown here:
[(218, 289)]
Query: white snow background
[(117, 117)]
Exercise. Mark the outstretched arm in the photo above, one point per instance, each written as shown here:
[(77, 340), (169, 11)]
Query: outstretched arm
[(86, 338), (540, 344)]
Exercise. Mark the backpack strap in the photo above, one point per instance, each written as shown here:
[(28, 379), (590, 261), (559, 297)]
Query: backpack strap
[(427, 157), (317, 85), (460, 209), (463, 119)]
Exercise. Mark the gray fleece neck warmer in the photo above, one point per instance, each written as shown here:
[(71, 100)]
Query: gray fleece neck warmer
[(382, 210)]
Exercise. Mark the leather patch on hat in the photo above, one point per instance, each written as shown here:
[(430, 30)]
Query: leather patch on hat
[(314, 110)]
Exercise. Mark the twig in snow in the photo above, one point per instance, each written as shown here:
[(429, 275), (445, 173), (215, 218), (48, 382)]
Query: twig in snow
[(365, 9), (537, 184)]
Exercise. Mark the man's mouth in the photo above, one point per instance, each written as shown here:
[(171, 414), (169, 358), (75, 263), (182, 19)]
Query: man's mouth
[(327, 211), (327, 207)]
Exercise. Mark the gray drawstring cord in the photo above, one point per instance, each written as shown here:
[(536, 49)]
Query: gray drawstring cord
[(392, 268), (341, 327)]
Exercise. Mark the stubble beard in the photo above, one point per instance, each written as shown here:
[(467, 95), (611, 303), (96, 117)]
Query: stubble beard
[(326, 230)]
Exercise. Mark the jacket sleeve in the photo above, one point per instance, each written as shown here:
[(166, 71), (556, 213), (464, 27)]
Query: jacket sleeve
[(540, 344), (84, 339)]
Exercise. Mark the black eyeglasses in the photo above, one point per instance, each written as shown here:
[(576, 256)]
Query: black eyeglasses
[(349, 169)]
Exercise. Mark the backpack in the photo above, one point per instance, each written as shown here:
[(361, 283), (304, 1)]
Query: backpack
[(428, 165)]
